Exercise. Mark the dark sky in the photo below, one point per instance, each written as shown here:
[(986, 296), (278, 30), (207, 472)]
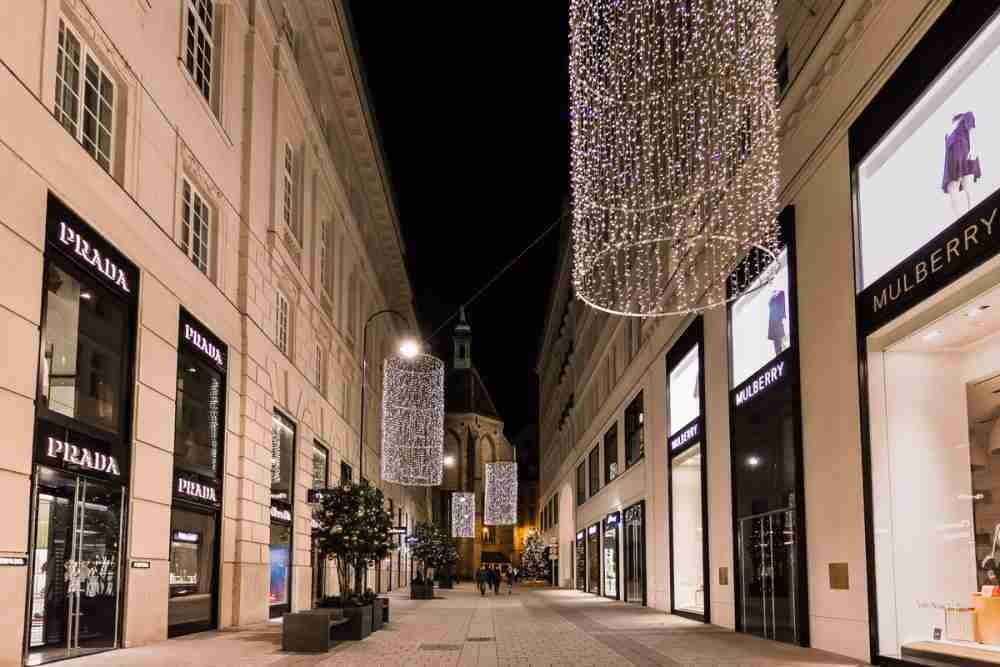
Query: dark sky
[(471, 101)]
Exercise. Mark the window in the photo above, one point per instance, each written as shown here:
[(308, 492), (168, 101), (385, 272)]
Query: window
[(325, 257), (759, 322), (288, 213), (281, 322), (489, 534), (595, 470), (634, 445), (581, 483), (685, 390), (192, 570), (79, 76), (345, 473), (199, 42), (83, 339), (195, 221), (282, 457), (318, 368), (320, 466), (197, 439), (611, 453)]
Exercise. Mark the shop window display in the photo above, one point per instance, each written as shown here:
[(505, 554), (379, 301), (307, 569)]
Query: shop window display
[(761, 328), (938, 162), (685, 387), (688, 531), (192, 568), (199, 402), (280, 552)]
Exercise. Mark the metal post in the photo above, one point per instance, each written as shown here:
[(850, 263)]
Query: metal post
[(364, 380)]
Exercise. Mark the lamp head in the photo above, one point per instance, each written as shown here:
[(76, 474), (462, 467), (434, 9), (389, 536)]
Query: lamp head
[(409, 348)]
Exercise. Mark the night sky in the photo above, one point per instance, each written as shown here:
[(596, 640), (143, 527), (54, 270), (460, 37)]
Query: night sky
[(472, 103)]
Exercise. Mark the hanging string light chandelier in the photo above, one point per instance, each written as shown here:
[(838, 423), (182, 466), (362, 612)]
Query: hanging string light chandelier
[(463, 514), (674, 152), (413, 420), (501, 494)]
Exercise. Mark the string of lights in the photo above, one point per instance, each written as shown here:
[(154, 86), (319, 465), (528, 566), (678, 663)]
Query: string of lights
[(413, 420), (463, 514), (501, 494), (674, 152)]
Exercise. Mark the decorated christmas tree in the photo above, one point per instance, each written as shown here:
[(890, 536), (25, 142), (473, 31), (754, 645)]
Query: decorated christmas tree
[(534, 559)]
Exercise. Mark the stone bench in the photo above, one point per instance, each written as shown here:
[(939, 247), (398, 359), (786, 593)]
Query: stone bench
[(310, 630)]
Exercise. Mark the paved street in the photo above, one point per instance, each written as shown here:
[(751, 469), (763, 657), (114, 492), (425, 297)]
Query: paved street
[(532, 627)]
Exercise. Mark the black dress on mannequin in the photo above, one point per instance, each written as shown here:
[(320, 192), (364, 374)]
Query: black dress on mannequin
[(777, 312)]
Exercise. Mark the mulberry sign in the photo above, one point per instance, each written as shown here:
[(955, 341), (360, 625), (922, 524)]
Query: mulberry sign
[(687, 435), (83, 457), (961, 247), (770, 375)]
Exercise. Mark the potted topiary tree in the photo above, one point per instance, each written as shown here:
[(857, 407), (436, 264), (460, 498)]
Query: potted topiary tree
[(449, 556), (428, 548), (352, 528)]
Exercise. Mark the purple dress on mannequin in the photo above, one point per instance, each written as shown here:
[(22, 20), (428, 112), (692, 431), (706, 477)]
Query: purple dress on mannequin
[(956, 152)]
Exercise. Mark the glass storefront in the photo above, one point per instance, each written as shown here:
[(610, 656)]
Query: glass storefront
[(635, 553), (198, 463), (594, 559), (687, 476), (282, 457), (320, 477), (81, 452), (581, 561), (609, 554)]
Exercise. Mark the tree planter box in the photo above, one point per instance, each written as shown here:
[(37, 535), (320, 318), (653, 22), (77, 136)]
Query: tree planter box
[(422, 591), (383, 604), (310, 630), (446, 583), (376, 615), (359, 627)]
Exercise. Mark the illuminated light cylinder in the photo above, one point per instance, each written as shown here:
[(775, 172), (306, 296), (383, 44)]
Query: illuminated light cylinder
[(463, 514), (413, 420), (674, 152), (501, 494)]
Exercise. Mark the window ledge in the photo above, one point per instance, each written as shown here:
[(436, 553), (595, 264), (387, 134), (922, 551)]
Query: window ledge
[(204, 103)]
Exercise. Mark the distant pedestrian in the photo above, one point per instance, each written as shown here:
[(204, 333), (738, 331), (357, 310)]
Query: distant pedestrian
[(496, 582), (481, 578), (510, 581)]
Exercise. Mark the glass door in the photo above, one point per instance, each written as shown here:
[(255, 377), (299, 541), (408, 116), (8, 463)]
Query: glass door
[(635, 580), (594, 560), (75, 567), (767, 547)]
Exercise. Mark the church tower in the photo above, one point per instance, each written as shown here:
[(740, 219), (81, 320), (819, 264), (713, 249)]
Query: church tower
[(463, 342)]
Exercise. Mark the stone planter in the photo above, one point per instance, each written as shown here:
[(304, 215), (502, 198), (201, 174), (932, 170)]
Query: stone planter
[(383, 603), (377, 615), (360, 625), (446, 583), (421, 591)]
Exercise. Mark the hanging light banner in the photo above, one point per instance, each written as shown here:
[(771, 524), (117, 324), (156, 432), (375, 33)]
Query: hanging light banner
[(501, 494), (413, 420), (463, 514)]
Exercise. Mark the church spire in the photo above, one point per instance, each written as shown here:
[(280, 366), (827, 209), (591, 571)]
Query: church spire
[(462, 341)]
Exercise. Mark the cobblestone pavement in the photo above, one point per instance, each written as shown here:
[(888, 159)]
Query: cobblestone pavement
[(534, 626)]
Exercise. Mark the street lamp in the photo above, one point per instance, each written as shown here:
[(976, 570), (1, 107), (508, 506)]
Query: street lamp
[(408, 348)]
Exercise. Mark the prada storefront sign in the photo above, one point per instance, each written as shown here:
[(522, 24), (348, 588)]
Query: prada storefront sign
[(198, 337), (686, 436), (67, 449), (197, 489), (68, 234), (967, 243), (758, 383), (281, 512)]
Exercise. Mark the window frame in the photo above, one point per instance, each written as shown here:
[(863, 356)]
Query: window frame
[(594, 470), (289, 208), (611, 439), (188, 185), (631, 429), (320, 447), (86, 55), (581, 482), (282, 322), (211, 37)]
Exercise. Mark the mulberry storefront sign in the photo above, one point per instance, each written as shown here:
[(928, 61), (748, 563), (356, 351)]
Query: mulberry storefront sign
[(770, 375), (687, 435), (963, 246), (67, 233), (83, 457)]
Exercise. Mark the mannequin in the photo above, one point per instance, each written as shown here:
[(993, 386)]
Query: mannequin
[(961, 162), (777, 314)]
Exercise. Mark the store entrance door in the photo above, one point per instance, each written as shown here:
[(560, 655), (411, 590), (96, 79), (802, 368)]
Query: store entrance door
[(768, 568), (75, 567)]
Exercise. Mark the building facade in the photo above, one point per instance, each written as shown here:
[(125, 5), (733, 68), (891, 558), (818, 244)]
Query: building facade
[(197, 222), (814, 463)]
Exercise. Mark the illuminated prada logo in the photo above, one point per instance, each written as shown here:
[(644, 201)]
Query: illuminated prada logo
[(70, 238), (194, 337), (189, 487), (83, 457), (280, 514)]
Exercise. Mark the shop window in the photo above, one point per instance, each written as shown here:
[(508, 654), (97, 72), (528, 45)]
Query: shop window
[(611, 453), (687, 545), (281, 323), (320, 466), (196, 223), (192, 570), (345, 473), (280, 564), (198, 436), (760, 323), (199, 45), (634, 445), (934, 165), (282, 458), (594, 463), (83, 339), (581, 483), (685, 389), (85, 96)]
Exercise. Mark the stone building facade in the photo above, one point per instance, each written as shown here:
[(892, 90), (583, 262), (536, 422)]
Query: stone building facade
[(197, 221)]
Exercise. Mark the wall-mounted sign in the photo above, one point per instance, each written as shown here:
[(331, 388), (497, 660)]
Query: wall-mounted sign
[(592, 530), (397, 530), (13, 561), (282, 514), (74, 238), (77, 455), (687, 435), (140, 565), (613, 519), (411, 540), (186, 536), (770, 375), (580, 535), (198, 337), (199, 489)]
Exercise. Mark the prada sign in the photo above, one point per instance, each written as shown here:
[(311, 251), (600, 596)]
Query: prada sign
[(196, 488), (195, 335), (79, 456), (963, 246), (760, 382), (71, 236), (687, 435), (281, 513)]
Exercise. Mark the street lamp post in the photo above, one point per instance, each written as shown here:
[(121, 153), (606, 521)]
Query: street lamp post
[(408, 348)]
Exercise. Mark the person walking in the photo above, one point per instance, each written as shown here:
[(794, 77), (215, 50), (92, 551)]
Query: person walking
[(510, 581), (481, 580), (496, 582)]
